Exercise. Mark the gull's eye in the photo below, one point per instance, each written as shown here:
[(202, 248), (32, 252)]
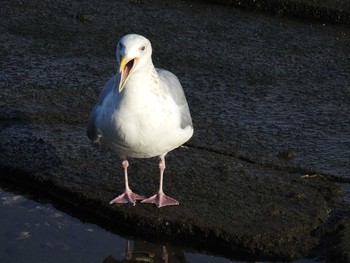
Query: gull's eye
[(143, 48)]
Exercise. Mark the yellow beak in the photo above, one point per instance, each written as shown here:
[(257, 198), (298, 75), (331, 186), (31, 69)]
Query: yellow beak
[(123, 63), (125, 68)]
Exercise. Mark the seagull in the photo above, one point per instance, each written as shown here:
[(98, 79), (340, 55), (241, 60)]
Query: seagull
[(142, 112)]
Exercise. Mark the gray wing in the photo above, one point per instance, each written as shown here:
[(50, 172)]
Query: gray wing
[(174, 88), (92, 131)]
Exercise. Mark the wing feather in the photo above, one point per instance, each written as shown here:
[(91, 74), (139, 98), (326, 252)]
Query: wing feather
[(174, 88), (93, 132)]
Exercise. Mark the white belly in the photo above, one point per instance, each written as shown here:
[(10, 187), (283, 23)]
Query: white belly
[(142, 128)]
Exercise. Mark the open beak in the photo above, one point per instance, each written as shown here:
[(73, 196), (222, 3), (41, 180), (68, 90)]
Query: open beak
[(126, 66)]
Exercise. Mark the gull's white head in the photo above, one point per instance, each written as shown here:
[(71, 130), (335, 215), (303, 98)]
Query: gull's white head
[(133, 52)]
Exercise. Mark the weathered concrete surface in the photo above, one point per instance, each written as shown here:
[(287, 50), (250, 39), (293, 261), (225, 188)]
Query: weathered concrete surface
[(269, 99), (334, 11)]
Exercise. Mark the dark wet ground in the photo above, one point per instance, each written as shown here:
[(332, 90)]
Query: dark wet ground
[(261, 179)]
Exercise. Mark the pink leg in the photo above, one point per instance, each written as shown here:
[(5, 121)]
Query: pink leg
[(165, 255), (128, 196), (160, 199)]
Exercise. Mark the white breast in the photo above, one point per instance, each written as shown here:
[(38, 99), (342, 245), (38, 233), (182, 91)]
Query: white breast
[(142, 121)]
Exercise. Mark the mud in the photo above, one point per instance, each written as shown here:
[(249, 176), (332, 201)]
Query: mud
[(262, 176)]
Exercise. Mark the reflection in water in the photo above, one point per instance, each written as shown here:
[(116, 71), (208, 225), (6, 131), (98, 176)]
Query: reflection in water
[(146, 252)]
